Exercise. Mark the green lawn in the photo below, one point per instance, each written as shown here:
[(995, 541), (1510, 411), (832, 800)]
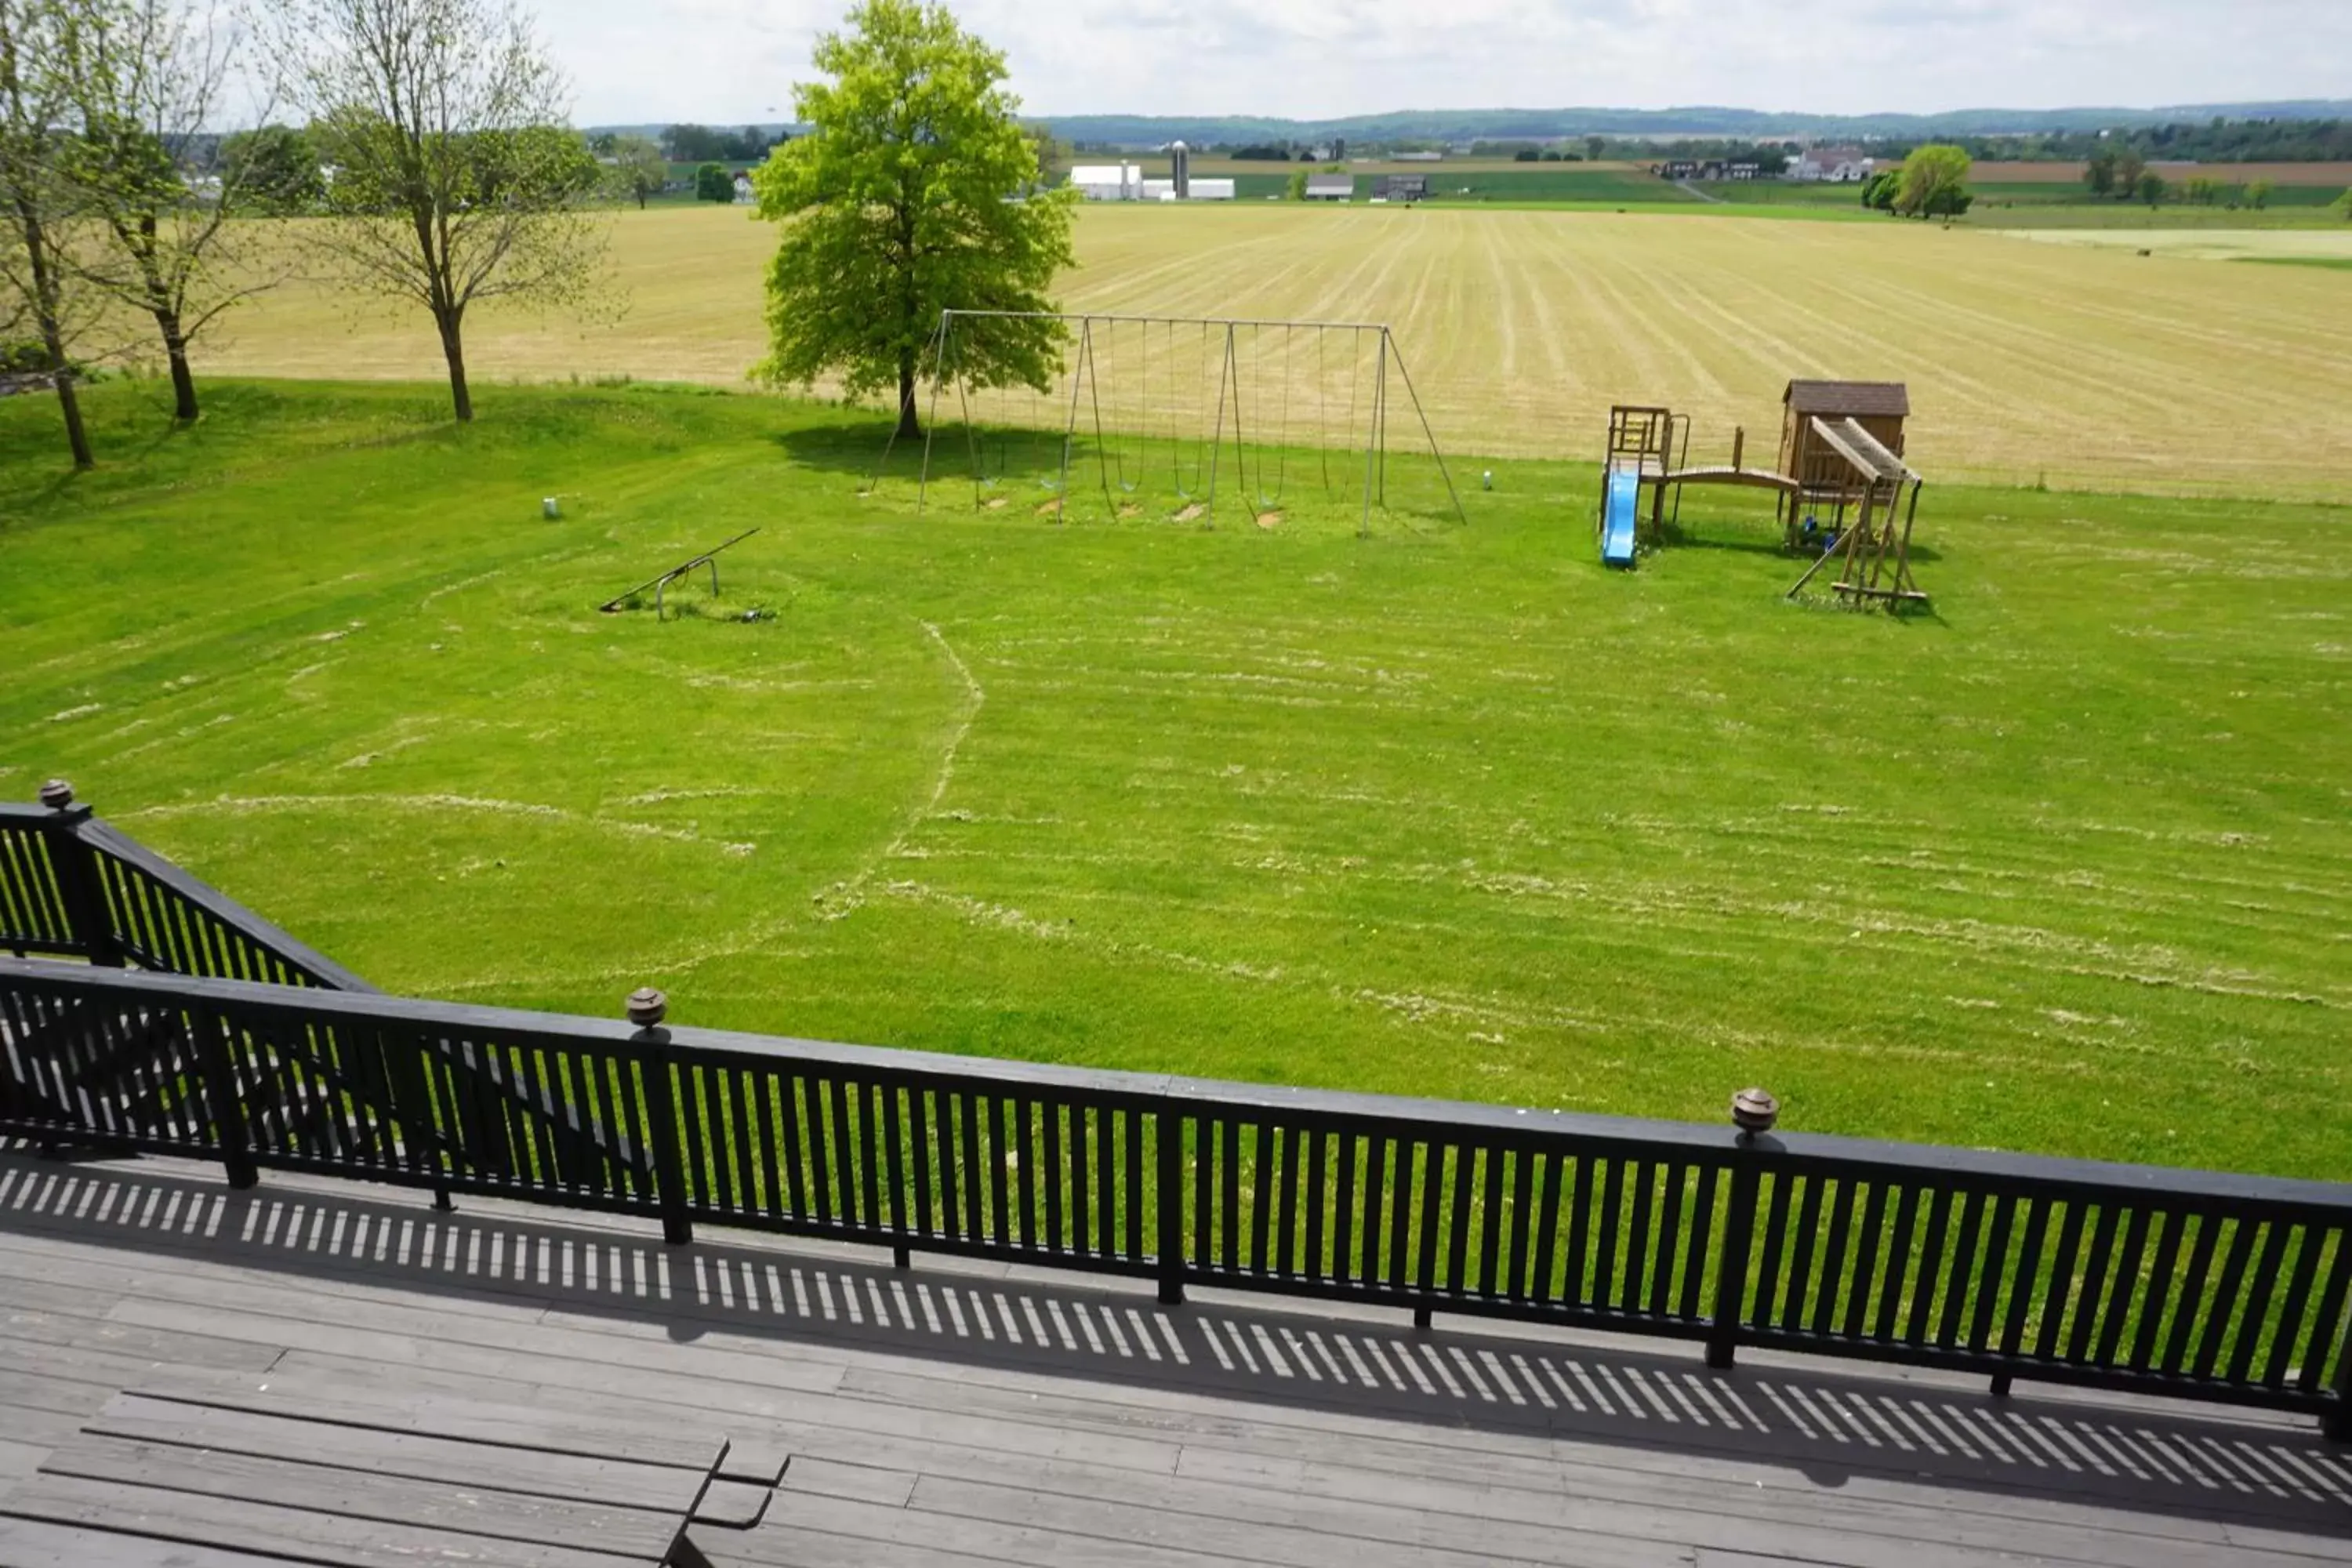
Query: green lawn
[(1448, 810)]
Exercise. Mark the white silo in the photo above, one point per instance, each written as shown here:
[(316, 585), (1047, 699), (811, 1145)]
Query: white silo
[(1182, 173)]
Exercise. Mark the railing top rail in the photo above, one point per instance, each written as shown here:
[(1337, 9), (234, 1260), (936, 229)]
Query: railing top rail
[(1404, 1117)]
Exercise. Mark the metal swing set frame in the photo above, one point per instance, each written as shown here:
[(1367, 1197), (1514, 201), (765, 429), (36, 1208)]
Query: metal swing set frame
[(1086, 377)]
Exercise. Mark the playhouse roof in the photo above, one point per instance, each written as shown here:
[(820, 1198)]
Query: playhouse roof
[(1846, 397)]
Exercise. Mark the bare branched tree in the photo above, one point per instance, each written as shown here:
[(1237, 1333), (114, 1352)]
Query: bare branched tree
[(453, 178), (150, 80), (39, 202)]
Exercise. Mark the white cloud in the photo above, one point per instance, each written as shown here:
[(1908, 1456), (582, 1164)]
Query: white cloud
[(730, 61)]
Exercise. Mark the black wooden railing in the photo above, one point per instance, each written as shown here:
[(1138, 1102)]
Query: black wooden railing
[(71, 886), (2175, 1282)]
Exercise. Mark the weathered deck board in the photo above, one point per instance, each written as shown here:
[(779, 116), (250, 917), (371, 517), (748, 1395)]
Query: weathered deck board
[(955, 1415)]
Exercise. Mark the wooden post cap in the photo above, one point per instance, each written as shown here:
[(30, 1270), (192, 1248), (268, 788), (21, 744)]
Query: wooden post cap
[(57, 795), (1755, 1110), (647, 1006)]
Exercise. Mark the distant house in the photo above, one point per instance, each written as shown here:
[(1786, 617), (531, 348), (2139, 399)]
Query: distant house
[(1330, 187), (1675, 169), (1832, 165), (1404, 187)]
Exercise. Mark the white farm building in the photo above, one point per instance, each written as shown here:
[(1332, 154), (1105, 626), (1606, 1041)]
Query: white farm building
[(1125, 182)]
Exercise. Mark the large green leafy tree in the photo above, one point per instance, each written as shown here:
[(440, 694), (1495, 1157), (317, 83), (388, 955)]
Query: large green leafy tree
[(1934, 183), (908, 198)]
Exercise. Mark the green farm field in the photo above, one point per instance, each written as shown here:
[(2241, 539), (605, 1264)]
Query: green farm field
[(2085, 366), (1447, 810)]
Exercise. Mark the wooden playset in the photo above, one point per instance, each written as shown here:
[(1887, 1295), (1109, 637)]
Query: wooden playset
[(1843, 491)]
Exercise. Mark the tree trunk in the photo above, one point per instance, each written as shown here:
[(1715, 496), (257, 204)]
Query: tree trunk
[(183, 380), (452, 349), (46, 308), (76, 436), (910, 427)]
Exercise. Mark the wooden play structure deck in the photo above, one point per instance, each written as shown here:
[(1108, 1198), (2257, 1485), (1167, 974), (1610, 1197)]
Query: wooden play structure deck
[(1840, 455)]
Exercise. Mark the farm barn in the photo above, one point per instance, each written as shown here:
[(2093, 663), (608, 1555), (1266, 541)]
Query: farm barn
[(1125, 182), (1330, 187)]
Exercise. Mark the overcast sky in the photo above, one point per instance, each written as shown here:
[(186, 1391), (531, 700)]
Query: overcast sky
[(733, 61)]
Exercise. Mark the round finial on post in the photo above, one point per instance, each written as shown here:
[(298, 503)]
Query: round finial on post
[(1755, 1110), (647, 1006), (57, 795)]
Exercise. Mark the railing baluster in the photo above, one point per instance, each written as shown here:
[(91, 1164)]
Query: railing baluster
[(1491, 1218), (1287, 1216), (1314, 1268), (1991, 1271), (2124, 1289), (2185, 1316), (1580, 1237), (1696, 1258), (1548, 1233), (1463, 1155), (1081, 1164), (1837, 1286), (1608, 1232), (1522, 1215), (1965, 1236), (1673, 1181)]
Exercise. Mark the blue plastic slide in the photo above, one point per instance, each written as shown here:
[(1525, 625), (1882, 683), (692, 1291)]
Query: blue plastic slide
[(1625, 495)]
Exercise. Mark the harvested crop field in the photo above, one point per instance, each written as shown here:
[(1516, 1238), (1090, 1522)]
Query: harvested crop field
[(2338, 175), (2026, 362)]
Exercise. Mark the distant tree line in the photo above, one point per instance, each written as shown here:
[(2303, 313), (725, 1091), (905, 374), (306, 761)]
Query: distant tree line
[(701, 145)]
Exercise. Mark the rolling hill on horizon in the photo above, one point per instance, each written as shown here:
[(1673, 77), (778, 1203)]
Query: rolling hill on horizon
[(1696, 120)]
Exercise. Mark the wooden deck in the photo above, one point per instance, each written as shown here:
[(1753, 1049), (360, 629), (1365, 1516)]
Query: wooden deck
[(957, 1414)]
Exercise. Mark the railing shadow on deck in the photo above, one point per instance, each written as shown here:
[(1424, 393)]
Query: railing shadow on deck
[(2131, 1454)]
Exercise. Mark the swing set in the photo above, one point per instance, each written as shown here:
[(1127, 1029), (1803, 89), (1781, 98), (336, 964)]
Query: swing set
[(1170, 413)]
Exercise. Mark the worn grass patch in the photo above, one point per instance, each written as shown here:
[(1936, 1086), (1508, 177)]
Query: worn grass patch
[(1447, 810)]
